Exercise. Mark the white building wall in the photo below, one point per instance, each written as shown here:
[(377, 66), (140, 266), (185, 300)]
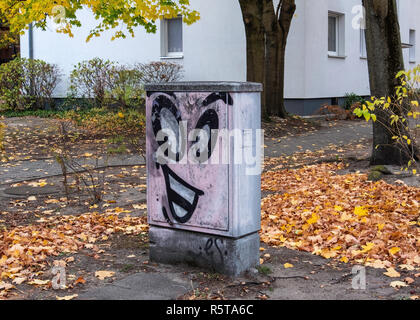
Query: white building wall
[(215, 47)]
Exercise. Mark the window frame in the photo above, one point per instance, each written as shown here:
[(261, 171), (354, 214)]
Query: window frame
[(165, 54), (337, 38), (363, 49), (412, 49)]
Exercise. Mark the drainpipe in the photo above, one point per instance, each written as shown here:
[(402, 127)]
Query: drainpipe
[(31, 41)]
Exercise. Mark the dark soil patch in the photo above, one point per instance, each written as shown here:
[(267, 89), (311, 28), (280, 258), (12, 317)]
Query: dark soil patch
[(279, 127)]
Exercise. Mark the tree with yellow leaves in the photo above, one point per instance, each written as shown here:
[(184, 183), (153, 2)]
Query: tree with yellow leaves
[(124, 14)]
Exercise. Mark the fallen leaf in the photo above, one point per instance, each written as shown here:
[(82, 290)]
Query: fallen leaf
[(67, 297), (6, 286), (288, 265), (398, 284), (19, 280), (104, 274), (392, 273), (38, 282), (80, 280), (394, 250)]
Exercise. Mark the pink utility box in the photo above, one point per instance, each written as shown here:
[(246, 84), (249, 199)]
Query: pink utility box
[(203, 143)]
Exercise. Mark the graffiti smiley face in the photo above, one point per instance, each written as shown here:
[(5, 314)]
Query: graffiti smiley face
[(180, 126)]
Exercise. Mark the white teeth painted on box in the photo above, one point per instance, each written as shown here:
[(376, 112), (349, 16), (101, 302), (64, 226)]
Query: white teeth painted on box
[(182, 197), (180, 212), (182, 190)]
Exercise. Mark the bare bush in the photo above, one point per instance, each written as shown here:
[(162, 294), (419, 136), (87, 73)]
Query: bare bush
[(158, 72), (39, 82), (89, 79), (88, 178)]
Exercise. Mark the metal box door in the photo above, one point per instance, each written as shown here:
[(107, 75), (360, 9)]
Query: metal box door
[(185, 195)]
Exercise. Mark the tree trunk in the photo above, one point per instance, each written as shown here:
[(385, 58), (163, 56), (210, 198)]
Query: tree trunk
[(287, 12), (267, 29), (385, 60), (255, 44), (271, 79)]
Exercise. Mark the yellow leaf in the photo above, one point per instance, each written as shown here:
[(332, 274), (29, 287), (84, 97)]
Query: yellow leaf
[(360, 211), (288, 265), (394, 250), (367, 247), (344, 259), (313, 219)]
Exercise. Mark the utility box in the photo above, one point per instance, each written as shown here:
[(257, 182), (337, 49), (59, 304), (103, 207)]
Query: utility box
[(203, 150)]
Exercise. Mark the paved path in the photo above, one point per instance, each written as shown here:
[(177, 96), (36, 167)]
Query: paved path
[(13, 172), (344, 133), (312, 277)]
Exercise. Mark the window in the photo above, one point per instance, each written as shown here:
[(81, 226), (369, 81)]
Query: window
[(412, 46), (336, 34), (363, 53), (171, 37), (333, 35)]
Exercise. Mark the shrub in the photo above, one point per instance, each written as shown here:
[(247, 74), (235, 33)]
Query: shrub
[(351, 99), (124, 88), (27, 84), (157, 72), (106, 84), (11, 79), (39, 82), (399, 114), (332, 112), (90, 78)]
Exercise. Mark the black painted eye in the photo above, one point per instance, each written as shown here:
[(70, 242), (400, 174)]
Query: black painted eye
[(166, 116), (208, 122)]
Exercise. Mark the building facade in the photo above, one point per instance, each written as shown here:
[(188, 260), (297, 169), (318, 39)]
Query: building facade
[(325, 58)]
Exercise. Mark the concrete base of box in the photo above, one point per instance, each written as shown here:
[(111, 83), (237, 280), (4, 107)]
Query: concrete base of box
[(215, 253)]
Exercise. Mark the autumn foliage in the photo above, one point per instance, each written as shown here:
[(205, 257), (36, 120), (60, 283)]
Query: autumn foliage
[(110, 14), (24, 250), (344, 217)]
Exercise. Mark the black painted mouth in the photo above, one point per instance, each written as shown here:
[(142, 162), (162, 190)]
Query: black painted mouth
[(182, 197)]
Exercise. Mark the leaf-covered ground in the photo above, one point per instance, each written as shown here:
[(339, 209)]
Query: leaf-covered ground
[(327, 209), (25, 250), (345, 217)]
